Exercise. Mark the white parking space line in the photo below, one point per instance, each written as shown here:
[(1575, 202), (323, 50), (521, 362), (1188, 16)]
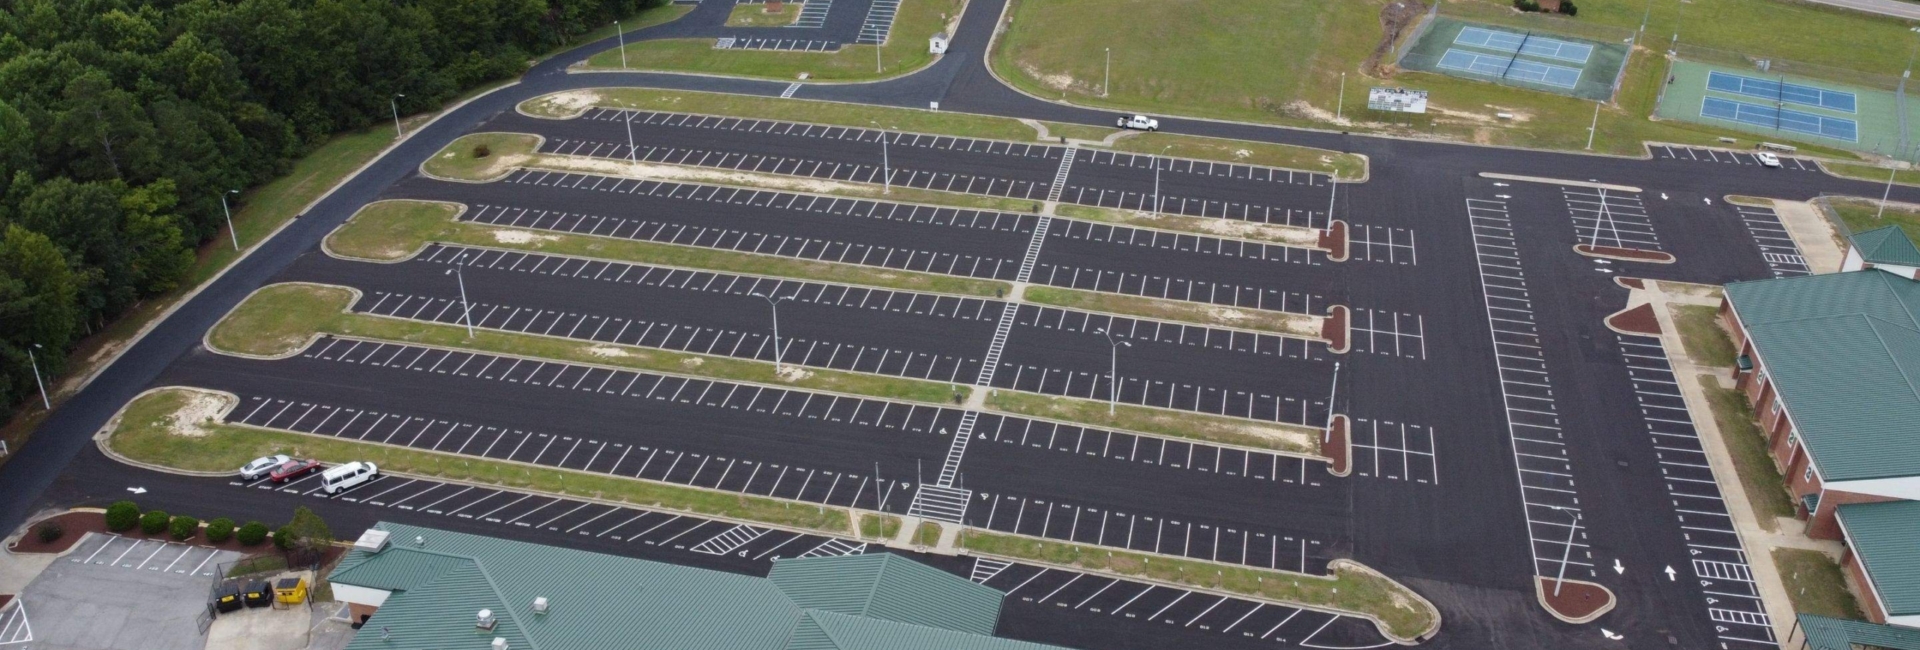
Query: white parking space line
[(1776, 245), (1610, 218)]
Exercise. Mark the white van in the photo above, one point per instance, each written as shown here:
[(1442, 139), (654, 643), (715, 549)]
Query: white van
[(341, 477)]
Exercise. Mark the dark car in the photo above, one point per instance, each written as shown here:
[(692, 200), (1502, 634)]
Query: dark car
[(293, 469)]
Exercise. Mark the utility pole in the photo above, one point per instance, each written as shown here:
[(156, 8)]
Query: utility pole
[(35, 361), (623, 43), (234, 234), (394, 102), (1113, 375)]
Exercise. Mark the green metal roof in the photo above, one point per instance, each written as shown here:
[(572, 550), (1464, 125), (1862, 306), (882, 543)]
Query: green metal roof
[(1886, 538), (1843, 350), (1886, 245), (889, 587), (1836, 634), (602, 601)]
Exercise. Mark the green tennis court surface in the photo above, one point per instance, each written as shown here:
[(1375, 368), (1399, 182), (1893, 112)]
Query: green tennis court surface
[(1784, 106), (1517, 57)]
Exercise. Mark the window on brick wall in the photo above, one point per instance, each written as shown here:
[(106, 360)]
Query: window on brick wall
[(1793, 439), (1807, 475)]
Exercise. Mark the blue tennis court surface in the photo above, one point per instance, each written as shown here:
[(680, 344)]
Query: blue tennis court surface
[(1781, 91), (1786, 120), (1506, 67), (1540, 46)]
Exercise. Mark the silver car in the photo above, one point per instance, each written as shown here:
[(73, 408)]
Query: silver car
[(261, 466)]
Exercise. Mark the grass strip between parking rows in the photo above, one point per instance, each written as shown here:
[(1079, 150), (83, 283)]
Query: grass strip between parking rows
[(1239, 432), (566, 104), (1266, 233), (279, 319), (150, 431), (394, 230), (175, 428), (1404, 614), (1262, 320)]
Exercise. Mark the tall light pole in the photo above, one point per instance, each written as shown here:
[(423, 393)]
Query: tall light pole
[(466, 308), (1561, 578), (1156, 178), (1887, 194), (35, 361), (632, 151), (876, 58), (394, 102), (1594, 127), (886, 166), (1106, 82), (622, 34), (1340, 106), (1113, 374), (775, 303), (234, 234)]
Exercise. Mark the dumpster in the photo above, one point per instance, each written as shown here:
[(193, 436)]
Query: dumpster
[(290, 591)]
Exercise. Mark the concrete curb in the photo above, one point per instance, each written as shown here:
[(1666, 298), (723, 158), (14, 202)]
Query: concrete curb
[(1540, 595), (1600, 252)]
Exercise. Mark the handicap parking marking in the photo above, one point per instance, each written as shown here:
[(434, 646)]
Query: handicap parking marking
[(1548, 495), (1776, 245), (1718, 561), (15, 626), (1194, 206), (1610, 218), (1383, 244)]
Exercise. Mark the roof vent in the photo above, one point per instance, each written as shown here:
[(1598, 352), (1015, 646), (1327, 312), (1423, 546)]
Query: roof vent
[(486, 620), (540, 605), (420, 541), (372, 541), (499, 643)]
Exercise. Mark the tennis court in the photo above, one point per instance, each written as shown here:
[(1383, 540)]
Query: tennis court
[(1775, 104), (1782, 91), (1784, 119), (1513, 56), (1540, 46), (1511, 68)]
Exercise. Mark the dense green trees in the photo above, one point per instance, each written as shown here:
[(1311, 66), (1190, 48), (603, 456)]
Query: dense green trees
[(123, 121)]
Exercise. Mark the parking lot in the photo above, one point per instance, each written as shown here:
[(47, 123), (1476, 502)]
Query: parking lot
[(117, 593), (1477, 381)]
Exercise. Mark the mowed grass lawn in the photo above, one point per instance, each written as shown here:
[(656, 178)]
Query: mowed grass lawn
[(904, 51), (1280, 61), (1861, 215)]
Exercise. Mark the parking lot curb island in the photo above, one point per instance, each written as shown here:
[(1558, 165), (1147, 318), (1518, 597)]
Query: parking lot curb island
[(1337, 446), (1336, 329), (1578, 601)]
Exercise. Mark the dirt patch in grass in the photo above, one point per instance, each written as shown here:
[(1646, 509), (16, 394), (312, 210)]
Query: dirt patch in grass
[(482, 156), (1295, 325), (1815, 584), (1700, 333), (763, 14), (1764, 486)]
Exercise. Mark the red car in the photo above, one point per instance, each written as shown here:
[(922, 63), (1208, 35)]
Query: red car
[(293, 469)]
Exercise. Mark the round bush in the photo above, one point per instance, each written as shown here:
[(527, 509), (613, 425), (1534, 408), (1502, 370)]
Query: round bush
[(219, 530), (154, 522), (183, 527), (283, 538), (122, 516), (48, 532), (252, 534), (482, 151)]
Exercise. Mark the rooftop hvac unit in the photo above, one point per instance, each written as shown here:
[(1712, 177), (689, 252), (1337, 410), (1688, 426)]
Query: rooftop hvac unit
[(540, 605), (372, 541), (499, 643), (486, 620)]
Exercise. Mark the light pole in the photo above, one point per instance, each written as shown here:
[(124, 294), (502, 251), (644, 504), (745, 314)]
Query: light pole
[(886, 166), (394, 102), (1113, 374), (1340, 106), (876, 58), (1887, 194), (775, 303), (466, 308), (229, 212), (632, 151), (1156, 178), (1106, 81), (1567, 554), (35, 361), (622, 34), (1594, 127)]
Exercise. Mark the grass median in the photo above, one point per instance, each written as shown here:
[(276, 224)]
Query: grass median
[(904, 51), (1344, 166), (1167, 423), (1862, 214), (394, 230), (1700, 333), (482, 156), (1212, 227), (1402, 612), (278, 319), (1814, 584), (1282, 323), (763, 14), (176, 428), (1764, 486), (1874, 173)]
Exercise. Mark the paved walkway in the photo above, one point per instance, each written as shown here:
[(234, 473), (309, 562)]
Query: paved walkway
[(1895, 8), (1819, 244)]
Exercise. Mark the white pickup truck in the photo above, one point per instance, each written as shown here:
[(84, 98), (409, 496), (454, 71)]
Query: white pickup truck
[(1140, 123)]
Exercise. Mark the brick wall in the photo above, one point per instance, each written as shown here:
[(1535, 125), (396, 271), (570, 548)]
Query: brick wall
[(1857, 582), (1825, 523), (358, 613)]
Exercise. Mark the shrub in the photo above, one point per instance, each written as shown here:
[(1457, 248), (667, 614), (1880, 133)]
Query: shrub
[(183, 527), (49, 531), (153, 522), (283, 538), (122, 516), (482, 151), (252, 534), (1566, 7), (219, 530), (307, 530), (1526, 5)]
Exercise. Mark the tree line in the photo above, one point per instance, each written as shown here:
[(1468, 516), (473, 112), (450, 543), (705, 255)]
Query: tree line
[(124, 122)]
